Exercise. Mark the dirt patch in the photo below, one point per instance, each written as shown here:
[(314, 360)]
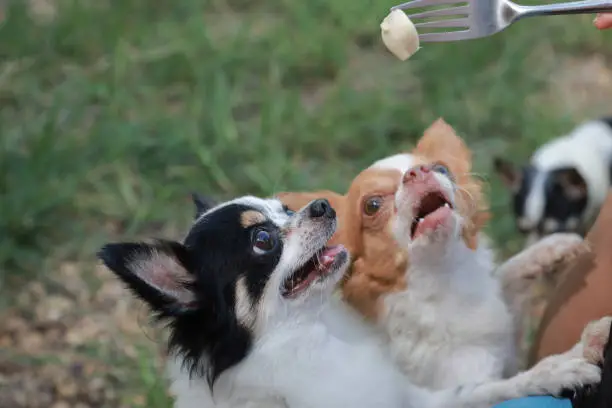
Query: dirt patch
[(582, 86), (42, 10), (63, 343)]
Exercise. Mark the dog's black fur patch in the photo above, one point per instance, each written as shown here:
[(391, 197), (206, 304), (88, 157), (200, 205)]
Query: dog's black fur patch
[(215, 255), (559, 206), (528, 174), (202, 203), (116, 257)]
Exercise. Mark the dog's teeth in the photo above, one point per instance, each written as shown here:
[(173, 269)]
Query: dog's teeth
[(421, 219), (327, 260), (447, 205)]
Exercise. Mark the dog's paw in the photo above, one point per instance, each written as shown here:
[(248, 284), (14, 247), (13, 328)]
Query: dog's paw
[(564, 248), (594, 339), (548, 254), (556, 374)]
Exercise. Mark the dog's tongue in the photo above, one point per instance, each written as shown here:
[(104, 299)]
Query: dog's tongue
[(432, 221)]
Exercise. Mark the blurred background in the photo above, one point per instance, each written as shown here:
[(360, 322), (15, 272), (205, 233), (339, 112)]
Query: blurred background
[(113, 111)]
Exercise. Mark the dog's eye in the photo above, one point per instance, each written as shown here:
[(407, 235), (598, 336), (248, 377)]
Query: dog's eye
[(442, 169), (288, 211), (372, 205), (263, 242)]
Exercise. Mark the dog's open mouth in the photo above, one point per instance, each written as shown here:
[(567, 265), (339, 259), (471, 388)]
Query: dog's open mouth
[(430, 212), (318, 267)]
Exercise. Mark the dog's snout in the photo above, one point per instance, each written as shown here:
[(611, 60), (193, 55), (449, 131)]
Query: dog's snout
[(417, 173), (321, 208)]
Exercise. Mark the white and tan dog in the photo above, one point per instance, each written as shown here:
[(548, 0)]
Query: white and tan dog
[(423, 270)]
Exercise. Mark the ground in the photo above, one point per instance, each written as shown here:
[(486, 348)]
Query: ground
[(112, 112)]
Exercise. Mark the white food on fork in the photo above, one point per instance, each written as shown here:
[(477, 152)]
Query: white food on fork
[(470, 19), (399, 35)]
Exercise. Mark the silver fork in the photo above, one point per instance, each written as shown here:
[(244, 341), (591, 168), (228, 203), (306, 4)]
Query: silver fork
[(482, 18)]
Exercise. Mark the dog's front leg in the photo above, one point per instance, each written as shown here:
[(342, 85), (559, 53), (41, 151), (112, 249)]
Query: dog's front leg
[(543, 260), (551, 376)]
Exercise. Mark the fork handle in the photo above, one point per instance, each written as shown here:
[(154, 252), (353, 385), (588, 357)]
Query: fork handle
[(573, 7)]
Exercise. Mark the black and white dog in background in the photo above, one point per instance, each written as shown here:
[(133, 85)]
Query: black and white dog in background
[(564, 184)]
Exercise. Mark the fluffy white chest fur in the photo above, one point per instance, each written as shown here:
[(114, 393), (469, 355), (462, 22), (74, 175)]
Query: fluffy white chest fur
[(333, 360), (450, 326)]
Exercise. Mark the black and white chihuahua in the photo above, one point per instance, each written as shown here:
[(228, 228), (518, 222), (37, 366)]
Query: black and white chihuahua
[(253, 323), (565, 183)]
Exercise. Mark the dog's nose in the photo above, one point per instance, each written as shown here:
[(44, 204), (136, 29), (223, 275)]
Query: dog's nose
[(321, 208), (417, 173)]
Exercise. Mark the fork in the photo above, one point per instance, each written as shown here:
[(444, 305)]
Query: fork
[(482, 18)]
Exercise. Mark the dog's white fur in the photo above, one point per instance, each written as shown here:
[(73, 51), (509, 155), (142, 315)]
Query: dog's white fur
[(335, 360), (318, 352), (451, 325), (329, 359)]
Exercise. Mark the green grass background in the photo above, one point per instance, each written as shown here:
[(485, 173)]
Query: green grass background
[(112, 111)]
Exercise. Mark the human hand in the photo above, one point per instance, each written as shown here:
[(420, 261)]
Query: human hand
[(603, 21)]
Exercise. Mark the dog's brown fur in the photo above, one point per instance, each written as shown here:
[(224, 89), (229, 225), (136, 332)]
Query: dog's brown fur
[(379, 265)]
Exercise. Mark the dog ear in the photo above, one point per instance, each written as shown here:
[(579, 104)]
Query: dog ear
[(508, 173), (157, 273), (442, 143), (201, 203)]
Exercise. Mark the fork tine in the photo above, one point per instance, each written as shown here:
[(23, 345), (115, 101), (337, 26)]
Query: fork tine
[(459, 22), (425, 3), (444, 37), (451, 11)]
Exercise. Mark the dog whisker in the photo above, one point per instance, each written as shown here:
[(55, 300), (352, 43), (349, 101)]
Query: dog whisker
[(479, 176)]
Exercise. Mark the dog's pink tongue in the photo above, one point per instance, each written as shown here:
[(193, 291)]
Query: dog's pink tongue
[(329, 254), (432, 221)]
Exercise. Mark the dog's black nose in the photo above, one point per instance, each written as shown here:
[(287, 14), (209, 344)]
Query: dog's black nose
[(321, 208)]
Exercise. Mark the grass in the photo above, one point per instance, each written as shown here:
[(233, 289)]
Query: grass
[(113, 111)]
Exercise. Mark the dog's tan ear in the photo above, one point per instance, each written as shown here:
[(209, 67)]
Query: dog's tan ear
[(441, 142)]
